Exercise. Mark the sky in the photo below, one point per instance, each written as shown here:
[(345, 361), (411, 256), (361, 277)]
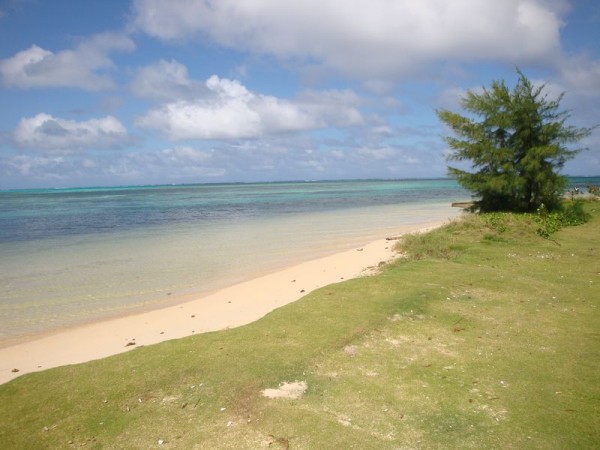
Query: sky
[(115, 92)]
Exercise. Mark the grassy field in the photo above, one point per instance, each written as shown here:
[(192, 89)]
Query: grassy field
[(486, 336)]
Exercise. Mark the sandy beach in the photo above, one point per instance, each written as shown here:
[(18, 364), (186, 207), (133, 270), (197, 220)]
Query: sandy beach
[(229, 307)]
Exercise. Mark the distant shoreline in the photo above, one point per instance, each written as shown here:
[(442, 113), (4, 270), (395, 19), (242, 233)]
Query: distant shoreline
[(234, 183)]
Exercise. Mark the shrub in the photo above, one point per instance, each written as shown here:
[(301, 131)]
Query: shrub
[(571, 214)]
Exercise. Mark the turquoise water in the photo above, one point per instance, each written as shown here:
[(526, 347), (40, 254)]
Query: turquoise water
[(30, 215), (71, 256)]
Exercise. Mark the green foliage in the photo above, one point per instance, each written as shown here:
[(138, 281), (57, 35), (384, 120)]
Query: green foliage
[(571, 214), (496, 221), (574, 213), (517, 146), (449, 242), (431, 245), (444, 243), (550, 222)]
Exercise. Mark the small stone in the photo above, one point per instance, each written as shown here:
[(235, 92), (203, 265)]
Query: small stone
[(14, 370)]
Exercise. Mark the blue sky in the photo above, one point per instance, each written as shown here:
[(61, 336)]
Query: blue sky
[(114, 92)]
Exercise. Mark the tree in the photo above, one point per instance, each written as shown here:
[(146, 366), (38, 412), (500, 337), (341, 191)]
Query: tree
[(516, 143)]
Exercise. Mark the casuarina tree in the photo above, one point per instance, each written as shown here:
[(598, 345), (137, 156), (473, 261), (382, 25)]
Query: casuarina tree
[(516, 142)]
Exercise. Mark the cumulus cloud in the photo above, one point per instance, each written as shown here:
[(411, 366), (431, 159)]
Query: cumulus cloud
[(45, 132), (232, 111), (178, 163), (26, 165), (165, 80), (79, 67), (373, 38)]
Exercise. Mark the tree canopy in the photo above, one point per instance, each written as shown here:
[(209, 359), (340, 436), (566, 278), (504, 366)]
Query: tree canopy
[(516, 142)]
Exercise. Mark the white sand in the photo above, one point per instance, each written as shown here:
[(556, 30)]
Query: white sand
[(230, 307)]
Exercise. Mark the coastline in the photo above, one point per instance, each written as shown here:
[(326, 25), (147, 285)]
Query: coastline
[(229, 307)]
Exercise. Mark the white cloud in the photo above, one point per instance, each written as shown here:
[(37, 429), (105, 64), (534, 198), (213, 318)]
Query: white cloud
[(79, 67), (26, 165), (232, 111), (185, 155), (378, 154), (373, 38), (179, 163), (450, 98), (581, 74), (44, 132), (165, 80)]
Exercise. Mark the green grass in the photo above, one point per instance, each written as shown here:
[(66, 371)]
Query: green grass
[(485, 336)]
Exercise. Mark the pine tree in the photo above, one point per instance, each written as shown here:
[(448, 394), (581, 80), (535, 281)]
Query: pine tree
[(516, 143)]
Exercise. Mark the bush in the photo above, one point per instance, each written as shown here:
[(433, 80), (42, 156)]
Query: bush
[(569, 215), (574, 214)]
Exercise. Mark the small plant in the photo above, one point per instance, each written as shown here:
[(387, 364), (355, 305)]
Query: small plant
[(572, 214), (496, 221), (429, 245), (549, 222)]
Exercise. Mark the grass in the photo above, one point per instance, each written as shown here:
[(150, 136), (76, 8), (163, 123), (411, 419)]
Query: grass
[(485, 336)]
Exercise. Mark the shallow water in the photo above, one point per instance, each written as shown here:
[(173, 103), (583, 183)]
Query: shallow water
[(80, 255)]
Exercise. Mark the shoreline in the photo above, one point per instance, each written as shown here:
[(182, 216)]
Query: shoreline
[(229, 307)]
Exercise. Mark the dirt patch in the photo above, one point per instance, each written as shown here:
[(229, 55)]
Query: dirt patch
[(351, 350), (294, 390)]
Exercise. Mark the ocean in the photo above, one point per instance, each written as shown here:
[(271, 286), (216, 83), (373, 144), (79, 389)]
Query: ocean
[(72, 256)]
